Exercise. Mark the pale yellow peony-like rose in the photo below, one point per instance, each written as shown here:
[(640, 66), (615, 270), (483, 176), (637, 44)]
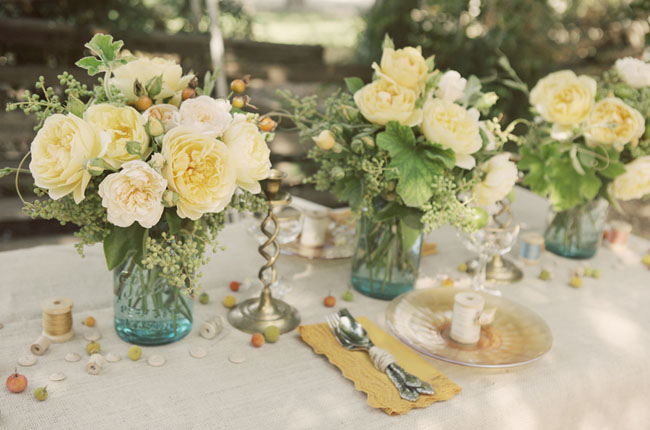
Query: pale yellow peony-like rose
[(612, 122), (249, 151), (500, 178), (144, 69), (133, 194), (60, 152), (382, 101), (564, 98), (452, 126), (635, 182), (406, 67), (117, 126), (206, 115), (200, 169)]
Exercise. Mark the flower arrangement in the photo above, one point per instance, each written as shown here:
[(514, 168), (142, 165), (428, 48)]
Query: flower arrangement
[(407, 150), (145, 162), (590, 138)]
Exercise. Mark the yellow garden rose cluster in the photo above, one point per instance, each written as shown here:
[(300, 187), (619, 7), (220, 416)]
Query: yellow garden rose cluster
[(192, 154)]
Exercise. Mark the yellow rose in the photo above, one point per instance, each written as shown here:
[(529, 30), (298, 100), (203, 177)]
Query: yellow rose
[(382, 101), (635, 182), (117, 126), (200, 169), (60, 151), (250, 153), (564, 98), (144, 69), (500, 178), (405, 67), (612, 122), (452, 126)]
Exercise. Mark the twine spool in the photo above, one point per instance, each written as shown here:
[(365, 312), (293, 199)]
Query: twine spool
[(40, 345), (467, 318), (94, 365), (532, 246), (314, 228), (57, 319), (619, 232), (211, 327)]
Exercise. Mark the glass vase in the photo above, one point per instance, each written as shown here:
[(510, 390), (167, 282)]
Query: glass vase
[(148, 310), (386, 259), (577, 232)]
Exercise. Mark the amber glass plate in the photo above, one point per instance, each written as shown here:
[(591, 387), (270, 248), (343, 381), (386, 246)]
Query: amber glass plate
[(422, 320)]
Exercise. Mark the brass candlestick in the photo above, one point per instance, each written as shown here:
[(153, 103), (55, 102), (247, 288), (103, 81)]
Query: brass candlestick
[(500, 270), (254, 315)]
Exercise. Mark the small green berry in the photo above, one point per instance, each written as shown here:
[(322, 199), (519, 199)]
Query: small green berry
[(272, 334), (545, 275), (575, 281), (595, 274), (204, 298), (93, 348), (348, 296), (462, 267), (646, 260), (229, 301), (588, 271), (40, 394), (135, 352)]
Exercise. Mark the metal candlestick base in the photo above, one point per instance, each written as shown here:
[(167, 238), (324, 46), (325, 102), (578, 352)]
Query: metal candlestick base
[(498, 270), (254, 315)]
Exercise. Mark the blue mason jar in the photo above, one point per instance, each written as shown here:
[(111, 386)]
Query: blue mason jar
[(148, 310)]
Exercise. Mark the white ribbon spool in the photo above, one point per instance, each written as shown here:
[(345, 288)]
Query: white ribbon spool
[(468, 316), (212, 327), (94, 365), (314, 228), (40, 345)]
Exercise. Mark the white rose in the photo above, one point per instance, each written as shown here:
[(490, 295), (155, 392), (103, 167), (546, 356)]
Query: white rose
[(564, 98), (451, 86), (144, 69), (133, 194), (635, 73), (325, 140), (250, 153), (635, 182), (500, 178), (206, 115), (612, 122), (452, 126), (60, 151), (383, 101), (405, 67), (116, 127), (167, 114)]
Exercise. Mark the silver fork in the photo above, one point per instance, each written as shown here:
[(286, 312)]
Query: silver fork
[(408, 385)]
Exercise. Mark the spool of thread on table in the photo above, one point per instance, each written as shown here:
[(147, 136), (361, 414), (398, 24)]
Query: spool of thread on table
[(94, 365), (465, 324), (211, 327), (532, 246), (40, 345), (57, 319), (618, 233)]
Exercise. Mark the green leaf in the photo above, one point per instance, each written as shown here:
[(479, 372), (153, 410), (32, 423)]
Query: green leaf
[(410, 216), (154, 86), (173, 220), (209, 81), (472, 91), (613, 169), (431, 63), (75, 106), (409, 237), (520, 86), (349, 190), (415, 168), (122, 242), (435, 152), (354, 84), (134, 148), (92, 64), (103, 46)]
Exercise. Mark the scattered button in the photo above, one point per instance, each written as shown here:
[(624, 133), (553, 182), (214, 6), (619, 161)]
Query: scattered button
[(27, 360), (92, 334), (198, 352), (237, 357), (72, 357), (111, 357), (57, 377), (156, 360)]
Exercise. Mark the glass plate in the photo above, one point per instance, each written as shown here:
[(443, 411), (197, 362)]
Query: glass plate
[(422, 320)]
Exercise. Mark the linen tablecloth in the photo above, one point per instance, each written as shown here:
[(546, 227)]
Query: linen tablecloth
[(596, 376)]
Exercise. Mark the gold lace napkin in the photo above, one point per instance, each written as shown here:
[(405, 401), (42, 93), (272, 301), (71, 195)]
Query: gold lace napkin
[(357, 367)]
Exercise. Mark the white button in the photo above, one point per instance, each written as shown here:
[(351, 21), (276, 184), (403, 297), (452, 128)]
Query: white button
[(111, 357), (27, 360), (237, 357), (57, 377), (72, 357), (198, 352), (156, 360)]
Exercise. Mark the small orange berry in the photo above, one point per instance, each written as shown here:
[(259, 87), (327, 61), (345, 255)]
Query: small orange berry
[(143, 103), (238, 102), (238, 86), (267, 124), (329, 301), (89, 321), (447, 282), (257, 340), (234, 286), (188, 93)]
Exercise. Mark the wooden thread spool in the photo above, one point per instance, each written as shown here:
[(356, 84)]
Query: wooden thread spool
[(212, 327), (40, 345), (468, 316), (57, 319), (94, 365), (531, 249)]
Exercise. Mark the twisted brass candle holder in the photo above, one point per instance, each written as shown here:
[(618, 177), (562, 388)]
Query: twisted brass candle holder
[(500, 270), (254, 315)]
